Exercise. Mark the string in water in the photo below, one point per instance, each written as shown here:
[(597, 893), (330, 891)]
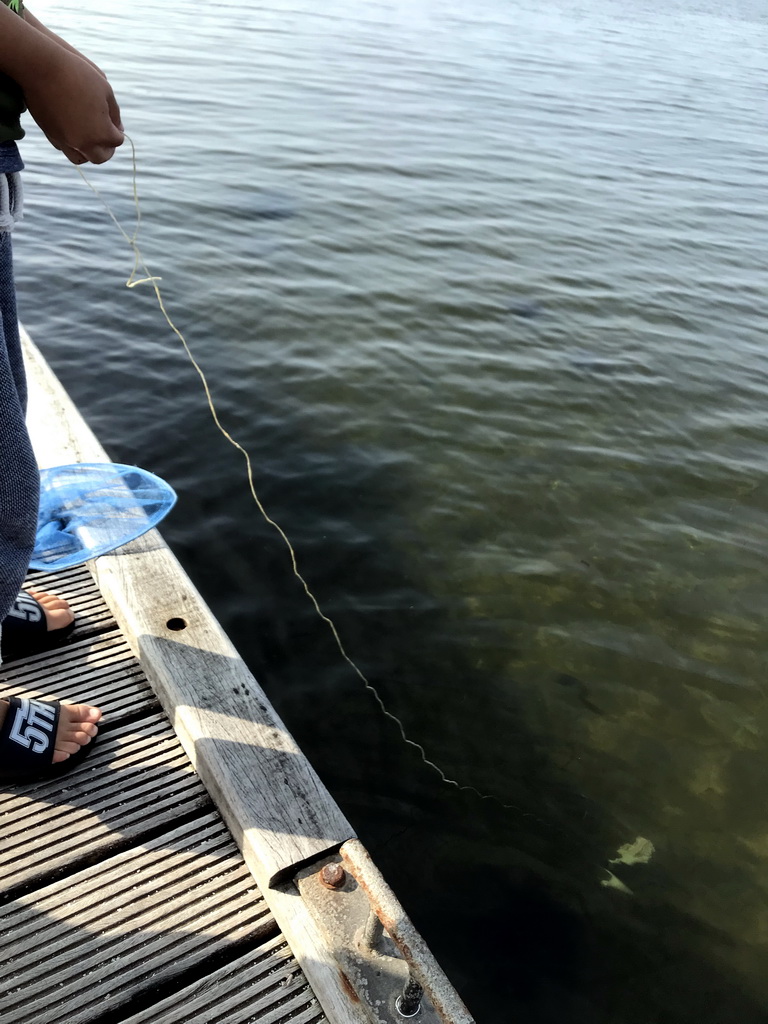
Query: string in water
[(140, 275)]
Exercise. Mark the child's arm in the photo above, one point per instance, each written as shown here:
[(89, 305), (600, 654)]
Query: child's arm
[(36, 23), (70, 100)]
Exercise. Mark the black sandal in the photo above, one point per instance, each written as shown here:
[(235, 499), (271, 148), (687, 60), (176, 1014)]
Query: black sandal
[(25, 629), (27, 742)]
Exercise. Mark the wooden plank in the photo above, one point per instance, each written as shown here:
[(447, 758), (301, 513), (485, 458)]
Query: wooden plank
[(92, 616), (54, 423), (265, 986), (76, 586), (91, 943), (137, 780), (95, 665), (101, 671), (269, 795), (265, 788)]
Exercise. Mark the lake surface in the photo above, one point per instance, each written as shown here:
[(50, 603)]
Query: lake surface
[(482, 288)]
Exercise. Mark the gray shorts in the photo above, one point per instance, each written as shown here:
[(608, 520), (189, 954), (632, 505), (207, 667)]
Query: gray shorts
[(11, 201)]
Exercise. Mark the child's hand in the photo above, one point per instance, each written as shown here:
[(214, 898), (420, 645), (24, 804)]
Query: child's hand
[(74, 105)]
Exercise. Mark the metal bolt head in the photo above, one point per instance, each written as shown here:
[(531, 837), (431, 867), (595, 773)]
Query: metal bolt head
[(333, 876)]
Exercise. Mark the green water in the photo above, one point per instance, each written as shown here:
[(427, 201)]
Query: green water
[(483, 293)]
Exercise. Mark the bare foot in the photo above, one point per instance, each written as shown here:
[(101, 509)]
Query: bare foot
[(58, 614), (77, 726)]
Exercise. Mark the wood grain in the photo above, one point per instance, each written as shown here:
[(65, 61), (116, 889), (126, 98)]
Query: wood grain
[(264, 986), (136, 781), (93, 942)]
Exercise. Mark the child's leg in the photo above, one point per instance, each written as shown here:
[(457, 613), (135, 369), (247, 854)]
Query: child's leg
[(19, 494), (19, 477)]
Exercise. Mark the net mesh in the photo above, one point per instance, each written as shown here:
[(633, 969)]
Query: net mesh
[(89, 509)]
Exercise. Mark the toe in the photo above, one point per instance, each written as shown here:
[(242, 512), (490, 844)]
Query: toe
[(75, 732), (67, 746), (58, 618), (82, 713), (48, 600), (58, 614), (77, 726), (81, 738)]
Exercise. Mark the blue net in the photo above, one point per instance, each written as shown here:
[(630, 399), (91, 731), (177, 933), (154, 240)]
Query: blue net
[(88, 509)]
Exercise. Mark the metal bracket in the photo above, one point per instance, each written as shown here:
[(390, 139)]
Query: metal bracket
[(385, 965)]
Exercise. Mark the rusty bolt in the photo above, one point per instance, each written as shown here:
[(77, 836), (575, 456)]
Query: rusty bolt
[(333, 876)]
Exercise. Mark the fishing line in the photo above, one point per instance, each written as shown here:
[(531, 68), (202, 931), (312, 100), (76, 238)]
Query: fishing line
[(134, 280)]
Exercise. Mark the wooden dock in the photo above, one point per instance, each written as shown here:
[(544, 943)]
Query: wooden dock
[(194, 869)]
